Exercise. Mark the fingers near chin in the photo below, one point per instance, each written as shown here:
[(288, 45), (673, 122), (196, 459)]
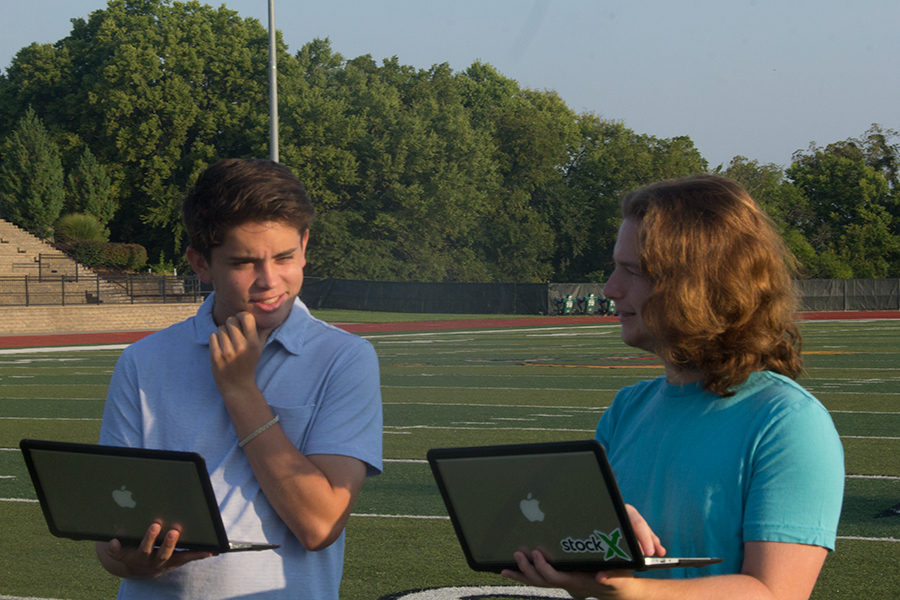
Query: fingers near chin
[(248, 321)]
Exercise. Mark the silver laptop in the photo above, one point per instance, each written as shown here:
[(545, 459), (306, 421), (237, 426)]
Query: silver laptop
[(558, 497), (91, 492)]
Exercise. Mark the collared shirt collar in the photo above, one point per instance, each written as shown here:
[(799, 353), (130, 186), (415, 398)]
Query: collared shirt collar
[(290, 334)]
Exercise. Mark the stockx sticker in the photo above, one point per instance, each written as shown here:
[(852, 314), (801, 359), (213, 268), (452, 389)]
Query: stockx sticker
[(597, 542)]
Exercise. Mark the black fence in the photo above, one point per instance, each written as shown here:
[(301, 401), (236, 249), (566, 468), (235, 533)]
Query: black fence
[(55, 289), (454, 298), (849, 294), (558, 298), (49, 287)]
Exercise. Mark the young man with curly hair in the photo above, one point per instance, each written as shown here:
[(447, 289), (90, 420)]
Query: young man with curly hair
[(726, 455)]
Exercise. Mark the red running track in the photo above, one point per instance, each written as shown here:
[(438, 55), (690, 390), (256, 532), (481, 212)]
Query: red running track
[(127, 337)]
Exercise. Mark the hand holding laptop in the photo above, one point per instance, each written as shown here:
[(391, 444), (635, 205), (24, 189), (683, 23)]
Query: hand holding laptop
[(146, 560), (537, 572), (534, 570), (649, 541)]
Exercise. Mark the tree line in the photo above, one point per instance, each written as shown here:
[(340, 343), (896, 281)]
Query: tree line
[(416, 174)]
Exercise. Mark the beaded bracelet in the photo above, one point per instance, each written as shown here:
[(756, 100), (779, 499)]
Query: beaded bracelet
[(247, 439)]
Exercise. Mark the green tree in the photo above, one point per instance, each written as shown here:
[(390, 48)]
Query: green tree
[(533, 133), (417, 174), (786, 205), (850, 203), (90, 191), (610, 161), (159, 90), (31, 177), (395, 165)]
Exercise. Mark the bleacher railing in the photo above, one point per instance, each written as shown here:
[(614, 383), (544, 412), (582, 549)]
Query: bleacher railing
[(60, 289)]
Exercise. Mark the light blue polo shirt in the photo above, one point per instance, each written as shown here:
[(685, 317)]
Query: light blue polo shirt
[(324, 385), (710, 473)]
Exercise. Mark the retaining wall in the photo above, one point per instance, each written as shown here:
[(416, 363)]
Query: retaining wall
[(26, 320)]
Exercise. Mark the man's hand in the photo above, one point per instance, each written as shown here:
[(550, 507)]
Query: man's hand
[(649, 541), (234, 351), (144, 561), (536, 571)]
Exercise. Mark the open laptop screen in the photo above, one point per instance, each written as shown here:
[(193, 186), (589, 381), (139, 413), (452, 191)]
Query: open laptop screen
[(554, 497), (101, 492)]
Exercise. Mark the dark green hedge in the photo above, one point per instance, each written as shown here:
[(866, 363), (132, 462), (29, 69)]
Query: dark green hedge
[(129, 257)]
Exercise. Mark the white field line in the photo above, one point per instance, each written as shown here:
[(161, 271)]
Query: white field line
[(67, 385), (862, 412), (464, 404), (401, 516), (445, 332), (54, 399), (395, 428), (419, 461), (61, 349), (585, 408), (809, 369), (840, 537), (406, 428), (545, 389), (483, 388), (48, 419), (531, 406)]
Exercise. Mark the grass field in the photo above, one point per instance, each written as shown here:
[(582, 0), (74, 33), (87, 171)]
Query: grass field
[(517, 383)]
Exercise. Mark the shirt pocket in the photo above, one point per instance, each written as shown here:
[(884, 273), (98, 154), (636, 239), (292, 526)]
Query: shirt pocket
[(295, 422)]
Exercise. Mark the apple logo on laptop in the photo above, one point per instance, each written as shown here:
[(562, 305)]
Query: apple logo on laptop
[(531, 510), (123, 498)]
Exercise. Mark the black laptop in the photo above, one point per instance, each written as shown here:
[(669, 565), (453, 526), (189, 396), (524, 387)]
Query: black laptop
[(559, 497), (91, 492)]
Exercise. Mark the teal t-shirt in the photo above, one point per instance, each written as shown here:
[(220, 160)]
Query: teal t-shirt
[(710, 473)]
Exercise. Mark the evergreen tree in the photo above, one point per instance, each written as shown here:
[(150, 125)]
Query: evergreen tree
[(159, 90), (90, 191), (31, 176)]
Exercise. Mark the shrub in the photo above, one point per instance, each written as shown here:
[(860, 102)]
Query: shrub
[(80, 227), (129, 257)]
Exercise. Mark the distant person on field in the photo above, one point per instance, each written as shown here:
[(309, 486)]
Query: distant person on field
[(285, 408), (725, 455)]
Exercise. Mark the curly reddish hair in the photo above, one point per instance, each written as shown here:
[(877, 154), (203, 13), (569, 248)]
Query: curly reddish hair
[(723, 299)]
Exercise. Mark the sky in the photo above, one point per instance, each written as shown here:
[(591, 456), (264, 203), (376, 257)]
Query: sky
[(755, 78)]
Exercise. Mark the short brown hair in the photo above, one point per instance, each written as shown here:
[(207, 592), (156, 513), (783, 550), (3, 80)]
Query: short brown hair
[(235, 191), (723, 299)]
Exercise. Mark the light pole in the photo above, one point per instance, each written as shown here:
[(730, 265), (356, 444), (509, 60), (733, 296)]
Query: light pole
[(273, 87)]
